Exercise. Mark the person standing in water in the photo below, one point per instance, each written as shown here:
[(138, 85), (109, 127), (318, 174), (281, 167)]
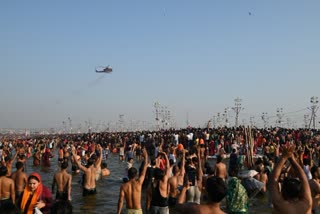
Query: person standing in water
[(63, 181), (131, 190)]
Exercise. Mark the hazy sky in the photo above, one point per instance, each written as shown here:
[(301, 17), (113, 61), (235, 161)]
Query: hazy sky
[(195, 57)]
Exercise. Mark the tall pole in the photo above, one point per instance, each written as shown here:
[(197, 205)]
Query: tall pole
[(226, 116), (157, 114), (214, 121), (121, 122), (265, 118), (237, 108), (280, 116), (187, 121), (252, 122), (314, 107), (218, 120), (70, 124), (306, 119), (64, 127)]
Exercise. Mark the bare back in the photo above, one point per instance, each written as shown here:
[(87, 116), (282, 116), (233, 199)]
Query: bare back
[(7, 189), (90, 179), (221, 170), (173, 186), (132, 191), (63, 179), (20, 180)]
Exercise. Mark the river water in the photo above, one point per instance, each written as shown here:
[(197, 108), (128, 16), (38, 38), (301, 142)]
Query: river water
[(105, 201)]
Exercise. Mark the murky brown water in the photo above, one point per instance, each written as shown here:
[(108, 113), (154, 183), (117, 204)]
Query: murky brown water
[(105, 201)]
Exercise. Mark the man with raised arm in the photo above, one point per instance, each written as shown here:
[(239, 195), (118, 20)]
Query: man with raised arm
[(131, 190), (90, 171), (295, 195), (157, 193), (176, 181)]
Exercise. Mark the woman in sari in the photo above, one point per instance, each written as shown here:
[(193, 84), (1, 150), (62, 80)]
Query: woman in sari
[(35, 196), (237, 198)]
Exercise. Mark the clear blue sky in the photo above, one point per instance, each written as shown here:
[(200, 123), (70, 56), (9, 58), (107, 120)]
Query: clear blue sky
[(194, 57)]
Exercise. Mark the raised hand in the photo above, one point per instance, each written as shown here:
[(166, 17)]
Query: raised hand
[(288, 151)]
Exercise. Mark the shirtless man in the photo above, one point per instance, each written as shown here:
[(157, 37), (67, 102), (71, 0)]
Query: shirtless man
[(176, 181), (61, 154), (7, 191), (314, 184), (90, 171), (20, 179), (8, 163), (220, 169), (131, 190), (262, 176), (295, 195), (104, 170), (36, 157), (63, 181)]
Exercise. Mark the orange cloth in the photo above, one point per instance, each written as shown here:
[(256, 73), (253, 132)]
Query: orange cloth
[(27, 192)]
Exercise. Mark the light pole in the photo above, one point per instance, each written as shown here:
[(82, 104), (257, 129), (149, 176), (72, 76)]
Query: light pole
[(237, 108), (226, 116), (157, 114), (280, 116), (70, 124), (306, 119), (314, 107), (265, 118), (252, 122)]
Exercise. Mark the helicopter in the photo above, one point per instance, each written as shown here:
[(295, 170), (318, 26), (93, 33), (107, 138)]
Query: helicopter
[(104, 69)]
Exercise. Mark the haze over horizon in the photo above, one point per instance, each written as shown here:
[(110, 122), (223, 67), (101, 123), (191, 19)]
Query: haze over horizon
[(194, 57)]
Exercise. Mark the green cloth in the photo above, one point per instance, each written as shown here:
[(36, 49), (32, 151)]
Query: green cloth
[(237, 198)]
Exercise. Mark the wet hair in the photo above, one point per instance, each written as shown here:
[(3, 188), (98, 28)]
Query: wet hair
[(216, 189), (104, 165), (64, 165), (219, 158), (132, 173), (175, 169), (291, 188), (90, 162), (94, 156), (158, 174), (171, 162), (3, 171), (61, 207), (306, 161), (194, 159), (258, 162), (7, 158), (19, 165)]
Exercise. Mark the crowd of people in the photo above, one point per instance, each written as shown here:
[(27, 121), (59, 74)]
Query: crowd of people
[(189, 170)]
